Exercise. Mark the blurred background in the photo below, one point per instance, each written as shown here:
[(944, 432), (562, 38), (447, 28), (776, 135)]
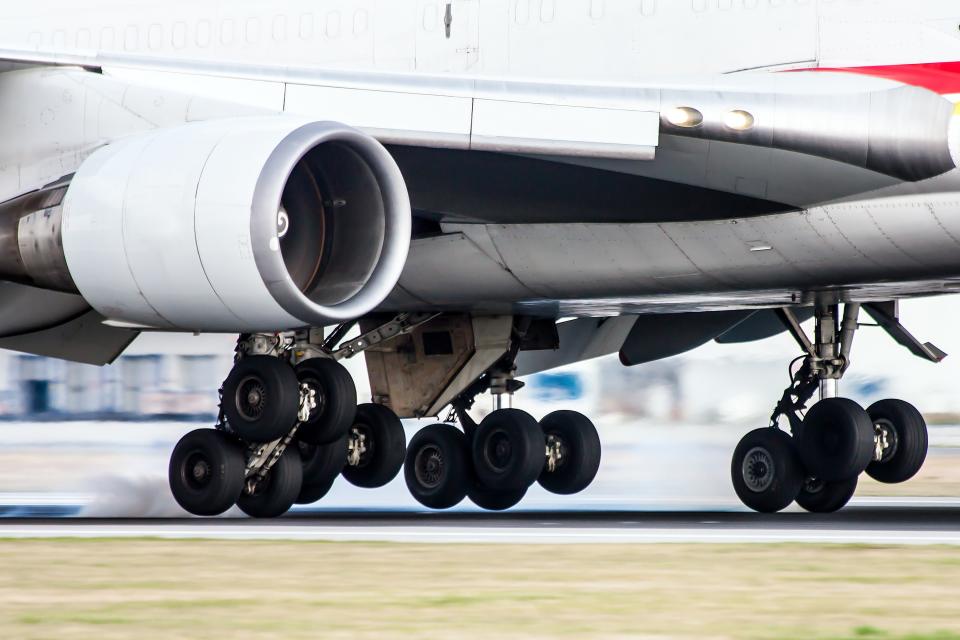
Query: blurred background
[(79, 440)]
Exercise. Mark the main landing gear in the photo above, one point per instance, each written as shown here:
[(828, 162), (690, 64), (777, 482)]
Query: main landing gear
[(494, 463), (818, 463), (289, 426)]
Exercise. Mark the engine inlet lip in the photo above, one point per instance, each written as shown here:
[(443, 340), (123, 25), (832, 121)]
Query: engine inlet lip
[(263, 231)]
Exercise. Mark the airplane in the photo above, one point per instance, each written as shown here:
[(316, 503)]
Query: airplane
[(480, 190)]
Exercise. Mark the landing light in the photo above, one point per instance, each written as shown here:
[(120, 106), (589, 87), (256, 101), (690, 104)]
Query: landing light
[(686, 117), (739, 120)]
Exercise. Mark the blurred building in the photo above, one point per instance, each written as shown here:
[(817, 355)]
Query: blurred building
[(138, 385), (175, 376)]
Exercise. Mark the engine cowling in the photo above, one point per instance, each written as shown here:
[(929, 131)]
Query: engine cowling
[(248, 224)]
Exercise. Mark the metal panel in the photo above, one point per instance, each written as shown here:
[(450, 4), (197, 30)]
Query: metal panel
[(658, 336), (491, 336), (396, 117), (85, 339), (580, 340), (600, 269), (26, 309), (500, 125), (436, 267)]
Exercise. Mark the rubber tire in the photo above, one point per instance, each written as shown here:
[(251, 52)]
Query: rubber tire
[(832, 497), (278, 491), (527, 444), (332, 420), (493, 500), (582, 462), (386, 449), (283, 394), (837, 440), (322, 465), (455, 476), (912, 441), (225, 456), (788, 470)]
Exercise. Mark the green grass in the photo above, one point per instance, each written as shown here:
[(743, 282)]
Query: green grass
[(870, 632), (150, 588)]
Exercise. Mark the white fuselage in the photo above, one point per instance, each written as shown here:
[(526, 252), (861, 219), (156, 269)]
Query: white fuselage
[(596, 40)]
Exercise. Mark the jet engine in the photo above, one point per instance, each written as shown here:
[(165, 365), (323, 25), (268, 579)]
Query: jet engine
[(247, 224)]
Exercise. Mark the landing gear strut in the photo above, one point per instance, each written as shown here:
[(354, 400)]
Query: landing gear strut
[(836, 440)]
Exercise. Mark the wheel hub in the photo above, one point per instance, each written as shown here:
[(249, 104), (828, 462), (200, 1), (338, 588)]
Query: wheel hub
[(498, 450), (319, 398), (886, 439), (360, 446), (251, 398), (813, 485), (758, 469), (556, 452), (429, 466), (197, 470)]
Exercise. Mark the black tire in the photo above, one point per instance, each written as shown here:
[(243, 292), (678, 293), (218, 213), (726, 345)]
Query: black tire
[(336, 400), (837, 440), (817, 496), (766, 471), (580, 444), (908, 439), (206, 472), (494, 500), (508, 450), (437, 466), (276, 493), (261, 398), (322, 465), (386, 446)]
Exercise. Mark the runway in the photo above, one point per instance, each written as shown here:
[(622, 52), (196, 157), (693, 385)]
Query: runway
[(912, 522)]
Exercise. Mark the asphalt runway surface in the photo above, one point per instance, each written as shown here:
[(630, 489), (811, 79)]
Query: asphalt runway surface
[(923, 521)]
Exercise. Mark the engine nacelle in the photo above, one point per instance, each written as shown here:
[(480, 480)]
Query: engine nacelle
[(248, 224)]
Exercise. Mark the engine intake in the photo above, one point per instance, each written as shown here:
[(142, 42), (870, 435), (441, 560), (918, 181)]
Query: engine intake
[(248, 224)]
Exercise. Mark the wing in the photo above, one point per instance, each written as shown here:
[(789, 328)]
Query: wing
[(862, 120), (472, 149)]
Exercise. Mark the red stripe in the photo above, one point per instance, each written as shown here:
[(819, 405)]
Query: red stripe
[(941, 77)]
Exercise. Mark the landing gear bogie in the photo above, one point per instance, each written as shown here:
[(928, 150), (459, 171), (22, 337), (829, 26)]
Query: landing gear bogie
[(837, 439), (501, 458)]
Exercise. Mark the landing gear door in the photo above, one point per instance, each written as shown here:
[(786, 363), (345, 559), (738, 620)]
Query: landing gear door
[(448, 35)]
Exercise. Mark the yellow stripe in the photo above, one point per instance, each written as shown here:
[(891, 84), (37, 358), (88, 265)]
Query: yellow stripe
[(956, 110)]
